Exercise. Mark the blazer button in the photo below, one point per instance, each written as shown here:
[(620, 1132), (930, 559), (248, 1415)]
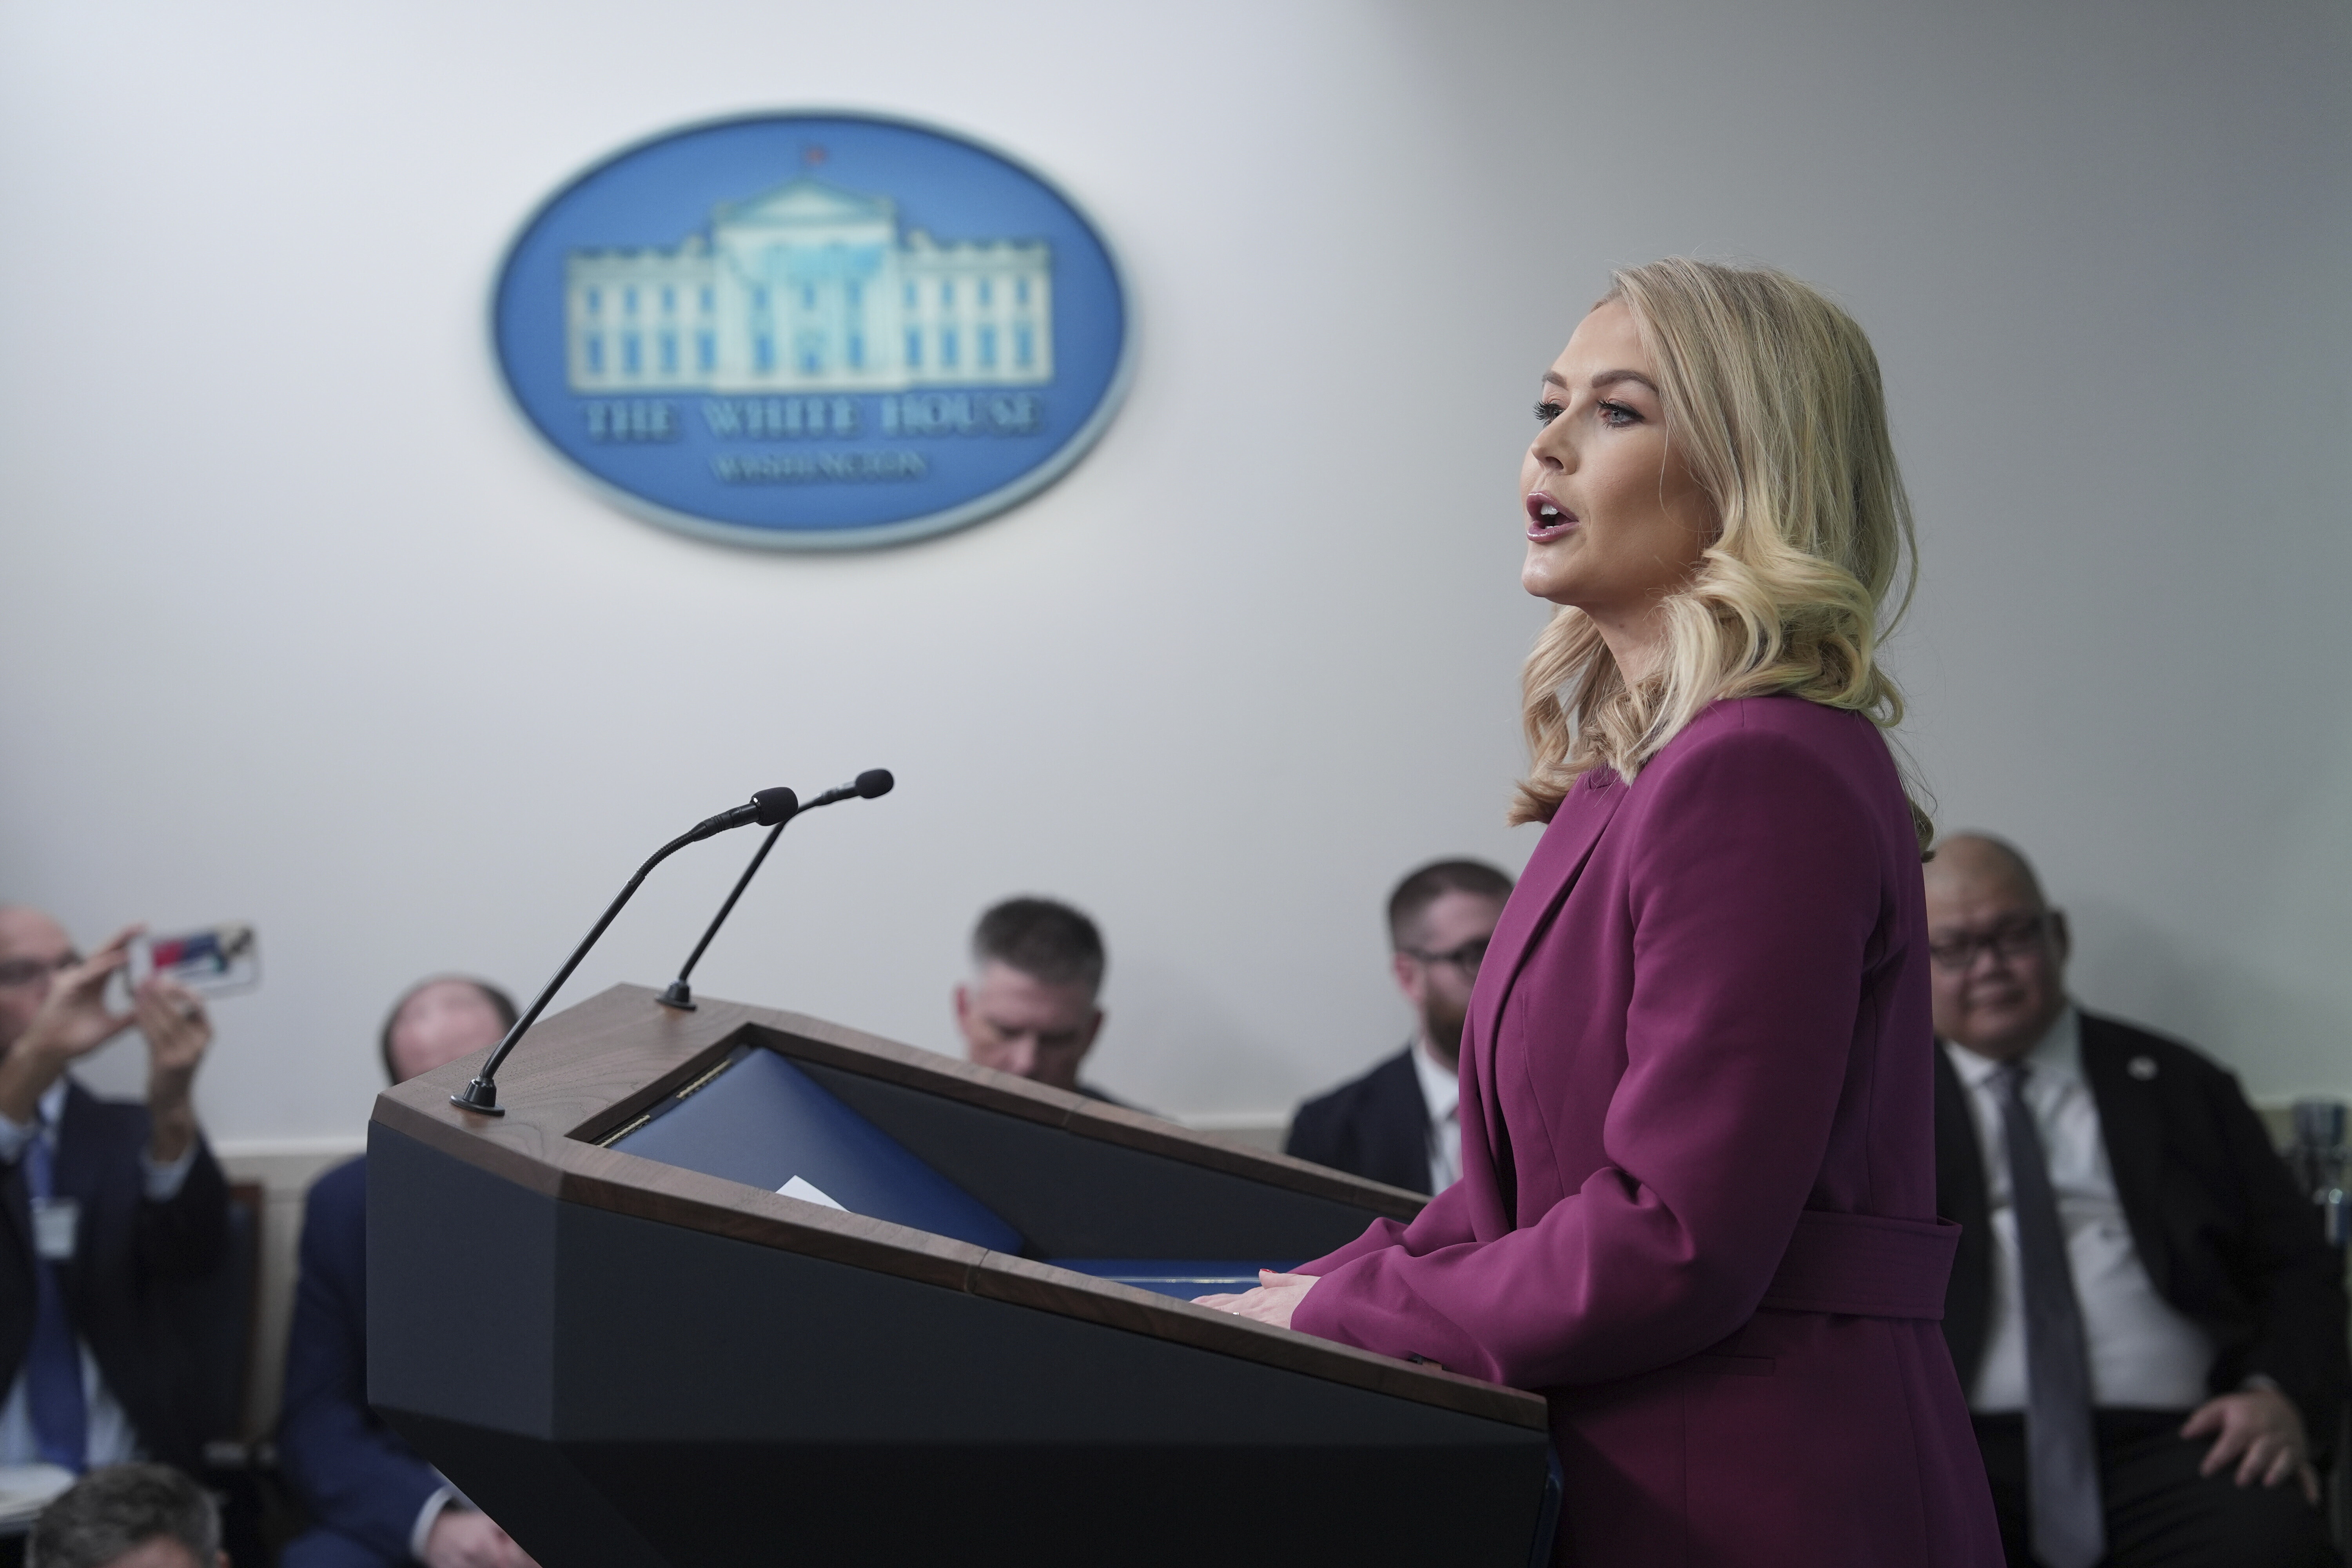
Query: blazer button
[(2141, 1068)]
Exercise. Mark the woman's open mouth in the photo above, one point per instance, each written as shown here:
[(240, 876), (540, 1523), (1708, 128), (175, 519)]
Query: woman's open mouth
[(1546, 518)]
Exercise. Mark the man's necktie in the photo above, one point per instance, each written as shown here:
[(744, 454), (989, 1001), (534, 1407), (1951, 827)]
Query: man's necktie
[(2061, 1458), (53, 1361)]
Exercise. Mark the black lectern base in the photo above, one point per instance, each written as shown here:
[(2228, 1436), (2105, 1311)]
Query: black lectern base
[(744, 1507), (633, 1362)]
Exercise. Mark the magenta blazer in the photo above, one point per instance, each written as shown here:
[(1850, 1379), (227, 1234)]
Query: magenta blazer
[(1696, 1210)]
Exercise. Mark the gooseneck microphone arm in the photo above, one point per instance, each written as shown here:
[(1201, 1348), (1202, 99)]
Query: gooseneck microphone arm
[(681, 995), (868, 784), (770, 805)]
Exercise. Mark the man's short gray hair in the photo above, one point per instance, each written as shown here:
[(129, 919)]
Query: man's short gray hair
[(1045, 940), (112, 1512)]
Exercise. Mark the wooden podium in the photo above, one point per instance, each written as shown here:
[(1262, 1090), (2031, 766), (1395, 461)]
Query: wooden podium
[(630, 1360)]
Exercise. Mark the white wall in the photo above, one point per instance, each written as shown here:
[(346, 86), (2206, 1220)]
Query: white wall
[(301, 626)]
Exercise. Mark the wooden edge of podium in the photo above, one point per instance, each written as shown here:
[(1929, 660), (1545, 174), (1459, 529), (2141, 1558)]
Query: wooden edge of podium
[(579, 1086)]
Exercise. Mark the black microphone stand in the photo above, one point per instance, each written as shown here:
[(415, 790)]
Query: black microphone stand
[(681, 995), (868, 784), (776, 806)]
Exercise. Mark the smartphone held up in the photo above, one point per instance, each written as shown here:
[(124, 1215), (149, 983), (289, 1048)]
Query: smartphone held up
[(217, 961)]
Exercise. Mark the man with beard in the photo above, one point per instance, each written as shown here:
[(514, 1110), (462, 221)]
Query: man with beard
[(1398, 1123)]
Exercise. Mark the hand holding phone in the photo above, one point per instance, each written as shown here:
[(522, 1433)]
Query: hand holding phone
[(217, 961)]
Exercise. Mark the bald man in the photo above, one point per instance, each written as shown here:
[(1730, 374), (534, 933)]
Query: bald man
[(2148, 1320), (112, 1208), (371, 1501)]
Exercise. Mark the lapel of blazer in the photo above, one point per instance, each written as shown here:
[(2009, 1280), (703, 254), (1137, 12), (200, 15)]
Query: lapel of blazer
[(1959, 1161), (2132, 1127), (1961, 1198), (1543, 887), (1401, 1125), (1551, 871), (16, 1197), (79, 1156)]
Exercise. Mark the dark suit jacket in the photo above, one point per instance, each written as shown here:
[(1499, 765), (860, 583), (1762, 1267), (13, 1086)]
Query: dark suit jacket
[(1376, 1127), (2225, 1236), (127, 1287), (353, 1474)]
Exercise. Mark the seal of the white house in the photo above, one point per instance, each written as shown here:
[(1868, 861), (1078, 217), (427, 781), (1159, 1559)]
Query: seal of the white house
[(812, 331)]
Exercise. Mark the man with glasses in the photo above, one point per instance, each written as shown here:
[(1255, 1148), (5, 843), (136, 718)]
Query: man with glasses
[(108, 1206), (2148, 1321), (1398, 1123)]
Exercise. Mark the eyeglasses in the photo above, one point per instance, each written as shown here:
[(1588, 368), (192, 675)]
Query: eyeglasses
[(2020, 938), (1463, 958), (16, 972)]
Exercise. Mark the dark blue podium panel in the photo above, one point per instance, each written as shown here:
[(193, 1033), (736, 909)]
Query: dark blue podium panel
[(1073, 1196), (762, 1122)]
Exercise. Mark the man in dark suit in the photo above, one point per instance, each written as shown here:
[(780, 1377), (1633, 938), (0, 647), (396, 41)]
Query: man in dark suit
[(111, 1209), (2144, 1314), (1398, 1123), (371, 1499)]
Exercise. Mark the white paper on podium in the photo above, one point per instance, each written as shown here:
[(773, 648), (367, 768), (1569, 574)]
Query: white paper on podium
[(808, 1193)]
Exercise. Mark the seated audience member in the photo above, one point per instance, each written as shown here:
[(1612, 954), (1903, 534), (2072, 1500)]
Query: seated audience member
[(371, 1499), (112, 1204), (2147, 1320), (1029, 1008), (1398, 1123), (129, 1516)]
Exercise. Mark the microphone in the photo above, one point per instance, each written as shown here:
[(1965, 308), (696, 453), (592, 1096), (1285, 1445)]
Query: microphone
[(774, 806), (868, 785), (768, 807)]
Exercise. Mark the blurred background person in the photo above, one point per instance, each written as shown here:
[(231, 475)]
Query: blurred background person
[(371, 1501), (114, 1203), (129, 1516), (1399, 1122), (2146, 1315), (1029, 1008)]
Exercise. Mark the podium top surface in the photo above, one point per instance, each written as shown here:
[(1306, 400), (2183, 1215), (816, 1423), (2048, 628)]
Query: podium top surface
[(597, 1072)]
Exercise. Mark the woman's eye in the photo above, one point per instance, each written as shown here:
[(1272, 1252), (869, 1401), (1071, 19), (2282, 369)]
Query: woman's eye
[(1547, 411), (1618, 413)]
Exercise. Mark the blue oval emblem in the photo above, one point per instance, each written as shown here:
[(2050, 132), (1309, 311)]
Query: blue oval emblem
[(812, 331)]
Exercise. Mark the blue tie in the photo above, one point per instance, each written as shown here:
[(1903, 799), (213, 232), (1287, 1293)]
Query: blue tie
[(53, 1364)]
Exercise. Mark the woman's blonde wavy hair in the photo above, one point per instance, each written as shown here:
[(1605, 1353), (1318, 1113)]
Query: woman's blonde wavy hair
[(1772, 398)]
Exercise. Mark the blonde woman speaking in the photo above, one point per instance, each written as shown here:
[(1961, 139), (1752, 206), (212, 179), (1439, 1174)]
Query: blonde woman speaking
[(1696, 1210)]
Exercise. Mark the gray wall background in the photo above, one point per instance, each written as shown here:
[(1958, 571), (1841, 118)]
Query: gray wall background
[(300, 627)]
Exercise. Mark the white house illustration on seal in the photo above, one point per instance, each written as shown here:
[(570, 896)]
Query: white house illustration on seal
[(809, 288)]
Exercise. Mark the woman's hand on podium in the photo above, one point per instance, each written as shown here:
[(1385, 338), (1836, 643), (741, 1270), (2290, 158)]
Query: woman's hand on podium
[(1277, 1297), (463, 1538)]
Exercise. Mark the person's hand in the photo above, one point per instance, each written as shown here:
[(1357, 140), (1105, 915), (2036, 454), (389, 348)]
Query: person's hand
[(73, 1021), (1275, 1300), (2261, 1433), (465, 1538), (178, 1032)]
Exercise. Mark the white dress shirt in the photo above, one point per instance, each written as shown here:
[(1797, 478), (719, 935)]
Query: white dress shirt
[(1441, 1093), (111, 1439), (2144, 1354)]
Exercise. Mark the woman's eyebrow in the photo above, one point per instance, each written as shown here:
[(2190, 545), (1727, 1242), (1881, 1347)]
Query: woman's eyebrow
[(1604, 378)]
